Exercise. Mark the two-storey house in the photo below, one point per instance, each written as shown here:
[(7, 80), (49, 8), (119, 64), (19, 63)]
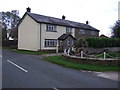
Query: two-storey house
[(39, 32)]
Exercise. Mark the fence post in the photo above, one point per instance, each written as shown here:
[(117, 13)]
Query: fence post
[(81, 54), (104, 55), (65, 51)]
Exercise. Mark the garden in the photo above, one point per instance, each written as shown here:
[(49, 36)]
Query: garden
[(97, 47)]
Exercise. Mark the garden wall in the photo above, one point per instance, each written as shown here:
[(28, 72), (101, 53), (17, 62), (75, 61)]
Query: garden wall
[(113, 62)]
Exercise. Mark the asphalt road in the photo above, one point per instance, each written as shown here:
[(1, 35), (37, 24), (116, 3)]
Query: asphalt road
[(0, 68), (30, 71)]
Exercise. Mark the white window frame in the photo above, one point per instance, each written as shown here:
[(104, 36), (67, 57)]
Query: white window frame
[(51, 28), (81, 31), (68, 30), (50, 42)]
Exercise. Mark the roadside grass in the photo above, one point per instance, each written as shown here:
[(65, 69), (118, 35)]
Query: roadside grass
[(79, 66), (31, 52)]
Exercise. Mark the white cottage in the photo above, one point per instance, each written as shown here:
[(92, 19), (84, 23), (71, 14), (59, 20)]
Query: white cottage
[(39, 32)]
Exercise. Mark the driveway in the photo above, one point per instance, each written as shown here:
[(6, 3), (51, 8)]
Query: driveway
[(31, 71)]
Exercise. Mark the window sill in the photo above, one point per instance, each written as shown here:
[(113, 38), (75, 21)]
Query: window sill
[(50, 46), (50, 31)]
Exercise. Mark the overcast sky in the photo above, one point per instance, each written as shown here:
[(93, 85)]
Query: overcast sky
[(101, 14)]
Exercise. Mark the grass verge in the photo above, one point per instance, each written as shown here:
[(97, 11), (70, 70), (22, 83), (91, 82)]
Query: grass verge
[(79, 66), (30, 52), (114, 54)]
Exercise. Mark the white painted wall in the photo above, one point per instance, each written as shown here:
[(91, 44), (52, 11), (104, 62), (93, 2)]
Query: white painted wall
[(52, 35), (29, 34)]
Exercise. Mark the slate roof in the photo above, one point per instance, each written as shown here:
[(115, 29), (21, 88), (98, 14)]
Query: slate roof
[(51, 20), (64, 36)]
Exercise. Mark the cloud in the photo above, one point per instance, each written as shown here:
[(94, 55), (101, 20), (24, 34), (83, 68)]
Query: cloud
[(101, 13)]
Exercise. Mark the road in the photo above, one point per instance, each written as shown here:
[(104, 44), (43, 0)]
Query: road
[(0, 68), (31, 71)]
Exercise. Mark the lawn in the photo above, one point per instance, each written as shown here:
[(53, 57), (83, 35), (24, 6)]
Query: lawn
[(79, 66), (114, 55), (31, 52), (117, 54)]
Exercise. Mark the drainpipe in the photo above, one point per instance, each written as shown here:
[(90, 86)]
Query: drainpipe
[(57, 47), (40, 36)]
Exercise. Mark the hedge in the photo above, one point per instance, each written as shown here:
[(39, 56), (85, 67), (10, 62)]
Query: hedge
[(10, 43), (98, 42)]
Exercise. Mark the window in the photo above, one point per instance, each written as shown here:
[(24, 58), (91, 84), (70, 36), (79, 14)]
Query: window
[(68, 30), (93, 33), (50, 42), (51, 28), (81, 32), (70, 42)]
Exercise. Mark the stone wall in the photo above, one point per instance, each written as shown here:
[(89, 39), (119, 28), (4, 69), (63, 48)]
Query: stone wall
[(106, 62), (87, 33)]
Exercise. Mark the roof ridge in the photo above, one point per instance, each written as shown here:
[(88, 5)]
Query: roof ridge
[(53, 20), (57, 18)]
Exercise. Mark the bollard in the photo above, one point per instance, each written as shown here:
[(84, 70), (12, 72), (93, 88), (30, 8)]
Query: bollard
[(65, 51), (81, 54), (104, 55)]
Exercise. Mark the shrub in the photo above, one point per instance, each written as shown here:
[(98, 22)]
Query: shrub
[(81, 43), (10, 43), (98, 42)]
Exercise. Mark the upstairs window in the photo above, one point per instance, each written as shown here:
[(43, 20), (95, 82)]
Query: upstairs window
[(68, 30), (93, 33), (51, 28), (50, 42), (81, 31)]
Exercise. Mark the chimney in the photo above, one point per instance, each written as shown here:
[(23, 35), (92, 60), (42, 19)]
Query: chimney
[(28, 9), (87, 22), (63, 17)]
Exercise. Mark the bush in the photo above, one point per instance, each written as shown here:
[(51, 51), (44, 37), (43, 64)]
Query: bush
[(81, 43), (98, 42), (10, 43)]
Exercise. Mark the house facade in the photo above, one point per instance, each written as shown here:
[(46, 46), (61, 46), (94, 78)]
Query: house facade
[(38, 32)]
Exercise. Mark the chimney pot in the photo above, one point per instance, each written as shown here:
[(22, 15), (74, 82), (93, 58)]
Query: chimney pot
[(87, 22), (28, 9), (63, 17)]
